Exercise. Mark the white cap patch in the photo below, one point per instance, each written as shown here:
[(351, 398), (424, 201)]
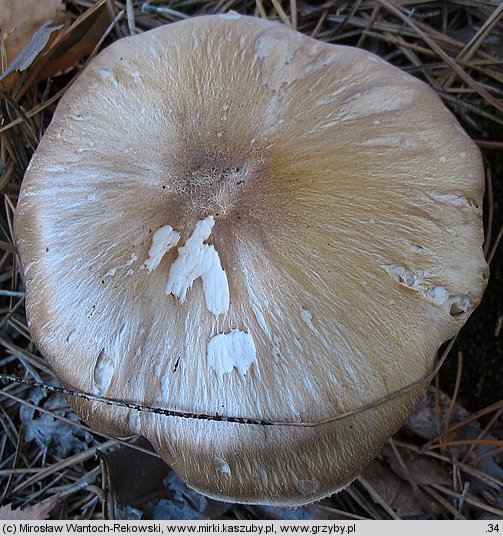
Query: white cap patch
[(227, 351), (163, 240), (196, 259)]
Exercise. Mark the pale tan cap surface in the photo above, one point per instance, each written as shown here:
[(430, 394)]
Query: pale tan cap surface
[(346, 203)]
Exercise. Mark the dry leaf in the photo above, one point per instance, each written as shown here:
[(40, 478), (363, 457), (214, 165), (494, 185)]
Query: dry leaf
[(147, 477), (20, 20), (41, 40), (395, 492), (78, 41), (38, 511), (423, 472), (423, 422), (56, 50), (419, 469), (48, 431), (300, 513)]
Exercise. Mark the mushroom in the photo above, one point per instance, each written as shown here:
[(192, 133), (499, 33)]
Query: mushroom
[(268, 234)]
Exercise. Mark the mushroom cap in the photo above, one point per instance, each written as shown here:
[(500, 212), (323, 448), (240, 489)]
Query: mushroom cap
[(228, 218)]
